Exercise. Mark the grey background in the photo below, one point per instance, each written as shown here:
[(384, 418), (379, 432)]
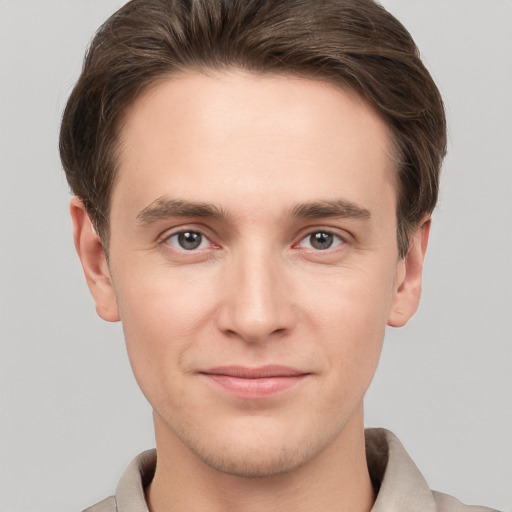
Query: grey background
[(71, 414)]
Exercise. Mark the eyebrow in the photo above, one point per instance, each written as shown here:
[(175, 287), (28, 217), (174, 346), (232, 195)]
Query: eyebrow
[(165, 208), (337, 208)]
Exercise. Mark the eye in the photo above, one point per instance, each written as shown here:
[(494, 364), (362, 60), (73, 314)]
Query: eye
[(188, 240), (321, 241)]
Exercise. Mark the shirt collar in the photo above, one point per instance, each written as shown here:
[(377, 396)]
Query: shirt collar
[(397, 481)]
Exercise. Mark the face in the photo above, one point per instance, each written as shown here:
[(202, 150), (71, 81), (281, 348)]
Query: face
[(253, 263)]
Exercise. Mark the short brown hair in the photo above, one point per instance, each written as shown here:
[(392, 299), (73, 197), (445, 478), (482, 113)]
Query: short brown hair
[(353, 43)]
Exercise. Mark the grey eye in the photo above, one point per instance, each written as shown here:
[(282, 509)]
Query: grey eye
[(321, 240), (188, 240)]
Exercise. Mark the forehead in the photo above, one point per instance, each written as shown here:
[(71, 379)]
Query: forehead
[(203, 136)]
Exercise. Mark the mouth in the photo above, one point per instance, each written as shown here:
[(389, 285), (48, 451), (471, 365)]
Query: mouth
[(254, 383)]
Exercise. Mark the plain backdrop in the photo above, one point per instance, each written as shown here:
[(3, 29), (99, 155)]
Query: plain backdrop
[(71, 414)]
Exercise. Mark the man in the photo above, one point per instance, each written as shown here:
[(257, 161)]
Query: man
[(253, 187)]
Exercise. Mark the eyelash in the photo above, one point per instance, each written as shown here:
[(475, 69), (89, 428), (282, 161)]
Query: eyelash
[(322, 235), (167, 240), (326, 235)]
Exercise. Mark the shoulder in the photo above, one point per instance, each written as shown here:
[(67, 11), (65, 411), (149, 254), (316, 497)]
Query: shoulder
[(399, 482), (129, 495), (107, 505), (447, 503)]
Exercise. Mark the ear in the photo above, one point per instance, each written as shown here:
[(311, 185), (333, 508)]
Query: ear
[(409, 275), (94, 263)]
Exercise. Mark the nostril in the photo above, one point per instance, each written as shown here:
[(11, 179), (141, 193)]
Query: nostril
[(254, 306)]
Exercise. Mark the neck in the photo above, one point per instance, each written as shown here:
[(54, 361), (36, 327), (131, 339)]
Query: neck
[(337, 479)]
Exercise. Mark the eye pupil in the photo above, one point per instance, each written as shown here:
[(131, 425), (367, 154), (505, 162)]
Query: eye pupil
[(321, 240), (189, 240)]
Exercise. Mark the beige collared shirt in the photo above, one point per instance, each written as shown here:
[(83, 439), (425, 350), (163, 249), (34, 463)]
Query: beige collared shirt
[(401, 487)]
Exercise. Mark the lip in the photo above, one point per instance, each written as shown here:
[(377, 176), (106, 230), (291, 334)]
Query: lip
[(254, 383)]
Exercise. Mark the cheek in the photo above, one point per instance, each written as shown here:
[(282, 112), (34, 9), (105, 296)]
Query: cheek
[(163, 301), (350, 313), (162, 313), (353, 302)]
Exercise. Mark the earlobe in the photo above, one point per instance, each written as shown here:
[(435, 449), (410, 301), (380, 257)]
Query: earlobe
[(409, 277), (94, 263)]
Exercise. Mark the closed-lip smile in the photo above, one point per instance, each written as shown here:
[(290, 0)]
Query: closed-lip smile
[(254, 382)]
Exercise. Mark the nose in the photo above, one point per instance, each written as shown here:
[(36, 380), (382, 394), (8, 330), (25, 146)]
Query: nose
[(257, 300)]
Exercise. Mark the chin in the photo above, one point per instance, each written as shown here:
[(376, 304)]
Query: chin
[(257, 449), (254, 461)]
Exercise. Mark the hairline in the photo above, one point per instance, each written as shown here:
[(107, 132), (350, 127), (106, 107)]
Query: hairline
[(392, 145)]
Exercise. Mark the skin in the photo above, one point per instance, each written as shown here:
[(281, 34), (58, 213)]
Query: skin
[(238, 160)]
